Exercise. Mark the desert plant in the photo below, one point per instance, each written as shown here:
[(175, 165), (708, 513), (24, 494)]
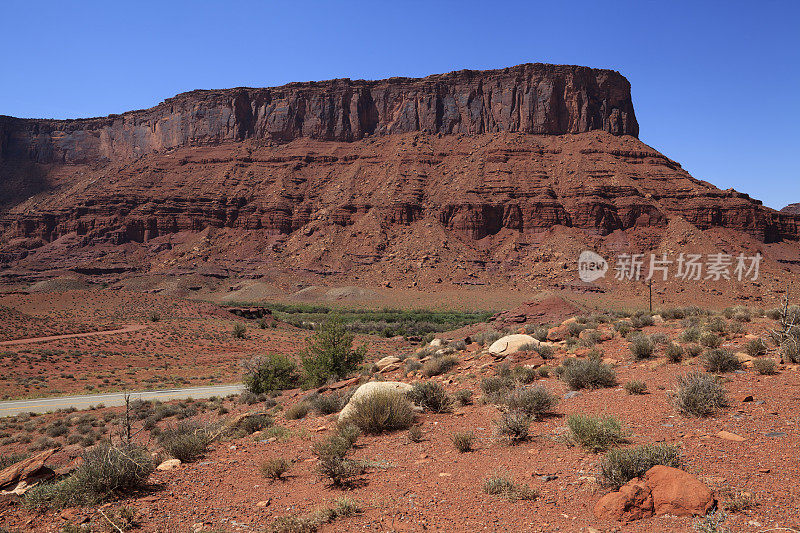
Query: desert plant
[(329, 353), (721, 360), (463, 397), (691, 334), (438, 365), (699, 395), (635, 386), (525, 374), (586, 374), (765, 366), (298, 411), (692, 350), (501, 484), (621, 465), (431, 396), (534, 401), (710, 340), (268, 373), (641, 347), (341, 471), (186, 441), (717, 325), (641, 320), (674, 353), (239, 331), (595, 433), (275, 468), (711, 523), (514, 426), (415, 434), (756, 347), (463, 441), (623, 327), (494, 387), (104, 472), (382, 411)]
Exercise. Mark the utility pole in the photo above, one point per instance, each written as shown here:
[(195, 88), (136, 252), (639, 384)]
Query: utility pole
[(650, 285)]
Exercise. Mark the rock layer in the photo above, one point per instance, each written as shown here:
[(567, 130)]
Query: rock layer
[(530, 98)]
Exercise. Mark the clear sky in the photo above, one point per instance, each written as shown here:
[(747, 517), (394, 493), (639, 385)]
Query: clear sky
[(716, 84)]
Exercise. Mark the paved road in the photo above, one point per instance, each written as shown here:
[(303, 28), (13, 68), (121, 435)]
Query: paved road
[(44, 405), (125, 329)]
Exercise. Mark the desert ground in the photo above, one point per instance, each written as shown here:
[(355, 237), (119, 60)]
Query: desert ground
[(453, 466)]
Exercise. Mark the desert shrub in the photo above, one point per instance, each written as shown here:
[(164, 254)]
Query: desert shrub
[(699, 395), (382, 411), (415, 434), (595, 433), (641, 347), (737, 501), (431, 396), (635, 387), (756, 347), (514, 426), (438, 365), (463, 397), (298, 411), (501, 484), (590, 337), (543, 371), (621, 465), (538, 333), (268, 373), (329, 353), (691, 334), (790, 350), (742, 314), (545, 351), (528, 347), (463, 441), (717, 325), (659, 338), (674, 313), (239, 331), (412, 365), (765, 366), (525, 374), (340, 470), (710, 340), (623, 327), (250, 424), (485, 338), (674, 353), (641, 320), (186, 441), (736, 327), (327, 404), (774, 314), (721, 360), (494, 387), (275, 468), (105, 471), (534, 401), (574, 328), (692, 350), (586, 374)]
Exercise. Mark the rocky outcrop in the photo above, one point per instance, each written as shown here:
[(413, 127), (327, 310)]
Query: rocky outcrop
[(791, 209), (530, 98)]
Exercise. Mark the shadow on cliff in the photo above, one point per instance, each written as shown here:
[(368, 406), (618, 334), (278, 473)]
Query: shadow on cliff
[(19, 180)]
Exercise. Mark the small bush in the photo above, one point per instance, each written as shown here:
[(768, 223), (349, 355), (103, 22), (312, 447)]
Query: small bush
[(710, 340), (415, 434), (525, 374), (621, 465), (545, 351), (438, 365), (431, 397), (514, 426), (267, 373), (329, 353), (623, 327), (790, 350), (494, 387), (595, 433), (485, 338), (463, 397), (586, 374), (641, 320), (720, 360), (239, 331), (717, 325), (635, 387), (382, 411), (765, 366), (186, 441), (327, 404), (463, 441), (341, 471), (700, 395), (641, 347), (691, 334), (693, 350), (298, 411), (674, 353), (501, 484), (756, 347), (534, 401), (590, 337), (105, 471), (275, 468)]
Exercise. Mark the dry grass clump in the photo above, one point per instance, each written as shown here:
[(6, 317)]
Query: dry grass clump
[(765, 366), (635, 386), (641, 347), (298, 411), (700, 395), (438, 365), (595, 433), (382, 411), (621, 465), (514, 426), (586, 374), (187, 441), (721, 360), (756, 347), (501, 484), (275, 468), (534, 401), (431, 396), (463, 441)]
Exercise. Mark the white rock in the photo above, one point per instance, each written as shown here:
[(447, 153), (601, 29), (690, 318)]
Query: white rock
[(368, 388), (169, 464), (511, 343), (436, 342), (386, 361)]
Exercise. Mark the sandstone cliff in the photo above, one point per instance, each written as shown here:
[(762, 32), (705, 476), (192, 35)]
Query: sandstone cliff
[(531, 98)]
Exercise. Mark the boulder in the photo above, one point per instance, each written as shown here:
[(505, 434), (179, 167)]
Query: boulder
[(678, 493), (663, 490), (556, 334), (368, 388), (169, 464), (24, 469), (511, 344), (386, 361)]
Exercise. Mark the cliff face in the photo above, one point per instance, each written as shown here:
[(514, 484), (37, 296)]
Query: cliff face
[(531, 98)]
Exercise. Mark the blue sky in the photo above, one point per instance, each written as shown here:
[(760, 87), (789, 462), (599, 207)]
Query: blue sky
[(715, 84)]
